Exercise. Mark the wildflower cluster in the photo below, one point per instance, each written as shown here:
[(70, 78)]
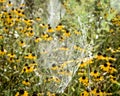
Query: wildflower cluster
[(98, 75), (29, 50), (37, 59)]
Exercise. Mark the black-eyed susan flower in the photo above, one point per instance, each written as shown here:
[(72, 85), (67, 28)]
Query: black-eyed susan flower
[(22, 5), (17, 60), (33, 64), (3, 51), (94, 73), (46, 79), (81, 72), (30, 56), (50, 29), (84, 80), (61, 72), (85, 93), (113, 80), (50, 94), (108, 48), (64, 48), (38, 19), (10, 3), (44, 36), (2, 1), (59, 27), (43, 25), (82, 64), (49, 38), (105, 67), (30, 33), (29, 28), (61, 38), (98, 78), (26, 82), (66, 34), (54, 67), (27, 22), (22, 43), (100, 56), (22, 93), (93, 91), (11, 60), (11, 55), (28, 69), (77, 32), (6, 29), (55, 79), (112, 58), (105, 15), (37, 39), (97, 92), (112, 69)]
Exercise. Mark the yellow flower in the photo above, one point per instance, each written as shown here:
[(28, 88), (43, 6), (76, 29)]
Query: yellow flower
[(94, 74), (55, 79), (11, 55), (113, 80), (50, 29), (83, 64), (28, 69), (93, 91), (37, 39), (81, 72), (29, 28), (43, 25), (66, 34), (44, 36), (27, 22), (84, 80), (64, 48), (85, 93), (54, 67), (9, 3), (77, 32), (30, 56), (98, 78), (49, 38), (2, 1), (21, 93), (30, 33), (112, 58), (10, 59), (6, 29), (38, 19), (3, 51), (26, 82), (22, 44), (111, 30), (50, 94), (61, 38), (59, 27), (33, 64), (105, 67), (112, 69), (100, 57)]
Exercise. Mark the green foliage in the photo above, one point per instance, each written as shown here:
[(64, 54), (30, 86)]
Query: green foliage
[(79, 57)]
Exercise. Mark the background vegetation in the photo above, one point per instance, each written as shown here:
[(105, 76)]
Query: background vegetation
[(59, 48)]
